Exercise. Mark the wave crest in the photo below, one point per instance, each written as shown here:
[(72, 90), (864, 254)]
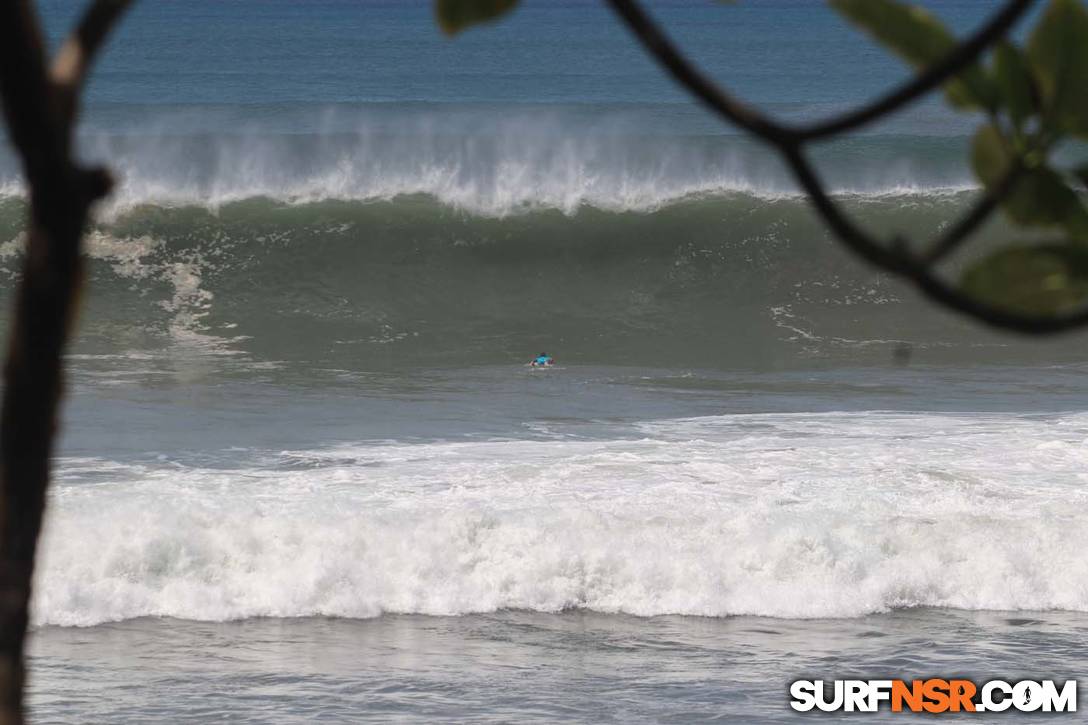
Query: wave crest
[(492, 162)]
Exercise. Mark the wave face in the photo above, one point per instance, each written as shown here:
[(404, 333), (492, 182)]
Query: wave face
[(730, 279), (718, 516), (415, 234)]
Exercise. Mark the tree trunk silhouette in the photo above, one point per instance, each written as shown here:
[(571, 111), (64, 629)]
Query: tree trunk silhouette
[(40, 107)]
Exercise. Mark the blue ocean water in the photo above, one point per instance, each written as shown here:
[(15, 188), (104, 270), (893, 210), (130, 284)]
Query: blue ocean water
[(305, 473), (780, 52)]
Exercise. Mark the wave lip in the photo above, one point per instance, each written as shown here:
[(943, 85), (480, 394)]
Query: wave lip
[(496, 200), (785, 515), (489, 162)]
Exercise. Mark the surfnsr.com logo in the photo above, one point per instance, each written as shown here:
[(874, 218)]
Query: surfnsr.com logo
[(933, 695)]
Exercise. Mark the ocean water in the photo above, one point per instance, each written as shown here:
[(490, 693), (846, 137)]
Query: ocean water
[(305, 473)]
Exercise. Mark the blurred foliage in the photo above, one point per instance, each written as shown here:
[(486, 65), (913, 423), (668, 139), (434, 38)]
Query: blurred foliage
[(921, 40), (1040, 278), (1034, 97), (456, 15)]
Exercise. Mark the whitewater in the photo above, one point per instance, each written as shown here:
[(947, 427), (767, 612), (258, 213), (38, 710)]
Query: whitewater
[(727, 515)]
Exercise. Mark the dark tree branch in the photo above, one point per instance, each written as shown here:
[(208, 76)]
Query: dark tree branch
[(709, 92), (893, 259), (24, 80), (958, 233), (898, 262), (739, 113), (39, 108), (961, 56), (789, 140)]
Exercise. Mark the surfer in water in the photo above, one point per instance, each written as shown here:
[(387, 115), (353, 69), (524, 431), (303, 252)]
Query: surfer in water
[(542, 360)]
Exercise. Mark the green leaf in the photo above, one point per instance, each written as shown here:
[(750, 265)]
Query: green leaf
[(1042, 280), (1082, 174), (991, 157), (1058, 51), (1039, 196), (1014, 83), (456, 15), (921, 40)]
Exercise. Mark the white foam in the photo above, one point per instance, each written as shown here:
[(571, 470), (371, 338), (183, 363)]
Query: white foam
[(485, 163), (822, 515), (145, 259)]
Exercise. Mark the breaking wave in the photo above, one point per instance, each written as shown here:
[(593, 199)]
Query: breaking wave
[(401, 236), (487, 161), (720, 516), (729, 279), (393, 281)]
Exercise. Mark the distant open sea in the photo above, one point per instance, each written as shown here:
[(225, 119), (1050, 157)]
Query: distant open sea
[(306, 475)]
